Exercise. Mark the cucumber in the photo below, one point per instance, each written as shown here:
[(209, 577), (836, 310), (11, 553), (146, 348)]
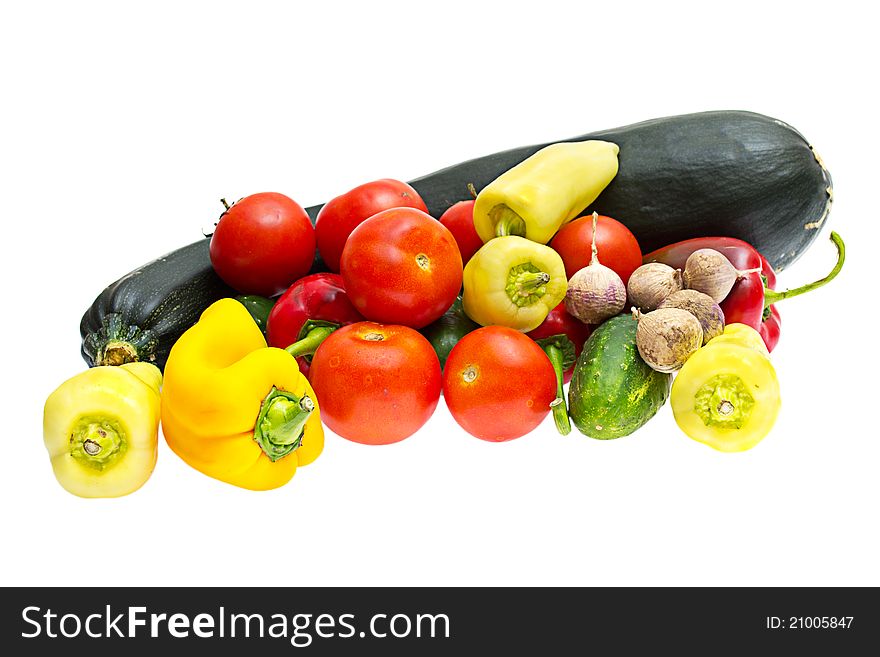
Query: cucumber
[(613, 392)]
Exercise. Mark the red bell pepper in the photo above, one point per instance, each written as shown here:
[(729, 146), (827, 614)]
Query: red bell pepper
[(771, 321), (751, 299), (562, 338), (310, 310)]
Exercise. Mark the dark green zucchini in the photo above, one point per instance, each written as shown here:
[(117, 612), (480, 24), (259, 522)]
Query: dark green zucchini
[(728, 173), (140, 316)]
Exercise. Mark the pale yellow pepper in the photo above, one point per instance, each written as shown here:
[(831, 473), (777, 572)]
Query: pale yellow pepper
[(513, 282), (101, 429), (726, 395), (539, 195), (742, 335)]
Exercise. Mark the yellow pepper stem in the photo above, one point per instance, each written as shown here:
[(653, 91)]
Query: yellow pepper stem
[(281, 423), (97, 442), (526, 284), (724, 401), (506, 221)]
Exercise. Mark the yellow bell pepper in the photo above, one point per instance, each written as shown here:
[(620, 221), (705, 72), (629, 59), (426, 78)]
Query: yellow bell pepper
[(726, 395), (539, 195), (513, 282), (101, 428), (235, 409)]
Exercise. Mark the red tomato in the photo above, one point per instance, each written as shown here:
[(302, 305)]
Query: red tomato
[(459, 219), (559, 322), (343, 214), (401, 267), (498, 383), (376, 384), (262, 244), (616, 245)]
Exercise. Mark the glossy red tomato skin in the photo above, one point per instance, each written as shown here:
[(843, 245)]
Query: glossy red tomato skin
[(498, 384), (401, 266), (262, 244), (459, 219), (617, 246), (343, 214), (376, 384)]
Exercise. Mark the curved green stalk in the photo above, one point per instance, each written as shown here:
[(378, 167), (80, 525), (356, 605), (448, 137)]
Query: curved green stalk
[(772, 296)]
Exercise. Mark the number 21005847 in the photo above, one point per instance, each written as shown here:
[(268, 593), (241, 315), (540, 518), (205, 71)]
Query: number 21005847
[(809, 622)]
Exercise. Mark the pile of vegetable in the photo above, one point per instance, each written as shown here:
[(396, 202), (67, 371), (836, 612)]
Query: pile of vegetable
[(495, 283)]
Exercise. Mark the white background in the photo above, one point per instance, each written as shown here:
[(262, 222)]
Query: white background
[(122, 126)]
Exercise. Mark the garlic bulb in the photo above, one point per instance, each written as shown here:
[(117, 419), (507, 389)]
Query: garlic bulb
[(650, 284), (595, 292), (709, 272), (666, 338), (701, 306)]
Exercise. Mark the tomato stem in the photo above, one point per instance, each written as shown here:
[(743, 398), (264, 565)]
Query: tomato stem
[(594, 252), (772, 296)]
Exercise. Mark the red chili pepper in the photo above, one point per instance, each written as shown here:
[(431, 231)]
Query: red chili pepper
[(310, 310), (771, 321), (751, 299)]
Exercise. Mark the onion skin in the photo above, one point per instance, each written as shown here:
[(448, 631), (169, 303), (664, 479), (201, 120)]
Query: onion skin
[(701, 306), (651, 284), (667, 338), (595, 293)]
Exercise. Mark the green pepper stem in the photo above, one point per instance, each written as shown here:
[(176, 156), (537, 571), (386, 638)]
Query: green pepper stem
[(560, 410), (506, 221), (309, 344), (97, 442), (280, 426), (772, 296), (531, 280), (724, 401), (526, 284)]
